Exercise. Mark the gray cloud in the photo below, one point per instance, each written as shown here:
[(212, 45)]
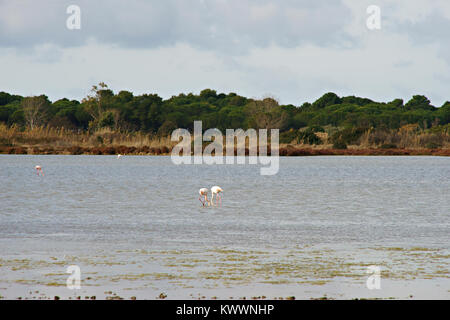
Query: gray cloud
[(234, 25), (432, 29), (295, 50)]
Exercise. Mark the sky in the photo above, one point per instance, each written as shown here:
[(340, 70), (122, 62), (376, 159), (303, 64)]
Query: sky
[(292, 50)]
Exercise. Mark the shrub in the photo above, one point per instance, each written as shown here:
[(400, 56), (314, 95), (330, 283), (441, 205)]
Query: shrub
[(288, 136), (339, 145), (347, 135), (316, 129), (167, 128), (309, 137), (379, 136), (388, 146), (433, 145)]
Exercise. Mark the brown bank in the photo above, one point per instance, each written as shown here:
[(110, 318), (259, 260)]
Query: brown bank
[(284, 151)]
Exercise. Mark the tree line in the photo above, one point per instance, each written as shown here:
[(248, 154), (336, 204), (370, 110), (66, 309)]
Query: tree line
[(149, 113)]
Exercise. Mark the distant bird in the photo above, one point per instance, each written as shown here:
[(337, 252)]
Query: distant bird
[(118, 156), (203, 192), (216, 190), (39, 170)]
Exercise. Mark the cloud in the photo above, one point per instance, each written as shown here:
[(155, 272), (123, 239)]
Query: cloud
[(434, 28), (295, 50), (423, 22), (234, 25)]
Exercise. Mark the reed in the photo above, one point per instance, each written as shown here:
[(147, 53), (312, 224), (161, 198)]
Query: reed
[(51, 140)]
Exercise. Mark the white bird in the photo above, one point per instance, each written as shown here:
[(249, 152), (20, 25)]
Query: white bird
[(118, 156), (216, 190), (203, 192), (39, 170)]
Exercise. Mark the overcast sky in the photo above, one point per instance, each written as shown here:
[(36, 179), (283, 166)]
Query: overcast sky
[(294, 50)]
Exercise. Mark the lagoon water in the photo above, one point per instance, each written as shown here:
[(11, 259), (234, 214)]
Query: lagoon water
[(135, 227)]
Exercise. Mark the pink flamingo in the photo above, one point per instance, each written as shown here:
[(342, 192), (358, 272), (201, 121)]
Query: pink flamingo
[(203, 192), (39, 170), (216, 190)]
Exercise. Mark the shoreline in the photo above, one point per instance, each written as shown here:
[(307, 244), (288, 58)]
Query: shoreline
[(284, 151)]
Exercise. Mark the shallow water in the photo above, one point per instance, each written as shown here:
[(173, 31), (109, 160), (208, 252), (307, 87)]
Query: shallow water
[(135, 226)]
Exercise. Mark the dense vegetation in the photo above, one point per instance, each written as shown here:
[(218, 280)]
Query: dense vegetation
[(345, 119)]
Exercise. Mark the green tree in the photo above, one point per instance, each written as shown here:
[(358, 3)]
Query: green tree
[(327, 99), (419, 102)]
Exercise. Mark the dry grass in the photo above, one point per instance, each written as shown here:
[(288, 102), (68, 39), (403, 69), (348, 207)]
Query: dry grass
[(60, 137), (49, 140)]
